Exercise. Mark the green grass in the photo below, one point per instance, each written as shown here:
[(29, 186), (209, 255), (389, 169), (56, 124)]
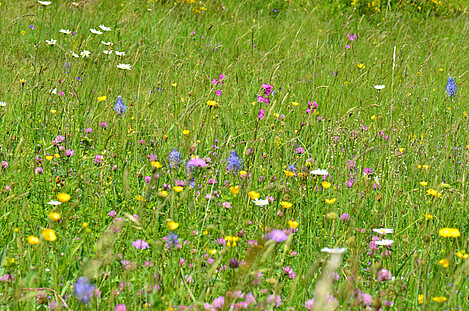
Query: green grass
[(409, 132)]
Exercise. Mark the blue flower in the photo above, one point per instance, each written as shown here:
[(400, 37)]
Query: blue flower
[(82, 289), (120, 108), (234, 162), (174, 158), (451, 87), (172, 240), (291, 168)]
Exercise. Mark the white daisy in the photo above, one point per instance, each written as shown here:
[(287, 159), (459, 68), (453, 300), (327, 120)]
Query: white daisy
[(96, 32), (54, 203), (379, 87), (3, 104), (74, 54), (44, 3), (124, 66), (104, 28), (319, 172), (383, 230), (65, 31), (333, 250), (107, 43), (53, 91), (85, 53), (51, 42), (120, 53), (384, 242), (108, 52), (261, 202)]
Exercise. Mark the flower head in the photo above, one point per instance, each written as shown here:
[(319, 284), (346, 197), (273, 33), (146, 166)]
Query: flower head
[(63, 197), (124, 66), (196, 162), (276, 235), (451, 87), (449, 233), (49, 235), (82, 290), (234, 163), (140, 244), (120, 108), (174, 158)]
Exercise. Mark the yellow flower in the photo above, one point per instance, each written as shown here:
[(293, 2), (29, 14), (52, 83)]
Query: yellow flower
[(439, 299), (53, 111), (186, 132), (462, 254), (444, 263), (156, 164), (212, 103), (162, 193), (423, 183), (63, 197), (449, 233), (33, 240), (49, 235), (428, 216), (178, 188), (234, 190), (295, 103), (293, 224), (288, 173), (57, 155), (425, 167), (420, 298), (285, 204), (49, 157), (434, 193), (242, 173), (254, 195), (23, 81), (54, 216), (174, 84), (326, 185), (361, 66), (231, 240), (331, 201), (139, 198), (102, 98), (373, 117), (173, 225), (212, 251), (85, 225)]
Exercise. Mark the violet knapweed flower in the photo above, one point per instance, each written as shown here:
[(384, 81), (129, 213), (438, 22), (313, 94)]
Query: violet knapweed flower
[(451, 87), (140, 244), (276, 235), (174, 158), (120, 108), (234, 163), (82, 289)]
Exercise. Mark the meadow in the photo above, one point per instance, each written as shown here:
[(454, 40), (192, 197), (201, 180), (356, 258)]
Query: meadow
[(233, 155)]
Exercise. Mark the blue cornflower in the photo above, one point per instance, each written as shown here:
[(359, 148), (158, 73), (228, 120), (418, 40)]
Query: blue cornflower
[(82, 289), (291, 168), (234, 162), (451, 87), (120, 108), (174, 158), (172, 240)]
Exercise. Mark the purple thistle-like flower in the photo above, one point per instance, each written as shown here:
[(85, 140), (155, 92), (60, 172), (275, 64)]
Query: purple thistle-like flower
[(82, 290), (234, 162), (451, 87), (174, 158), (234, 263), (120, 108)]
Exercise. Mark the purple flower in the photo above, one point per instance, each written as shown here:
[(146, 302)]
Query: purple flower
[(267, 89), (120, 108), (147, 179), (120, 307), (367, 171), (300, 150), (4, 164), (234, 163), (82, 290), (88, 130), (174, 158), (172, 240), (112, 213), (38, 170), (98, 159), (276, 235), (31, 26), (69, 152), (234, 263), (451, 87), (384, 275), (140, 244), (261, 114), (196, 162), (218, 92), (274, 300), (103, 124), (344, 217)]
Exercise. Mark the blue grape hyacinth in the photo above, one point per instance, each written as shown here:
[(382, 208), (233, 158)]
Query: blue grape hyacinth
[(451, 87)]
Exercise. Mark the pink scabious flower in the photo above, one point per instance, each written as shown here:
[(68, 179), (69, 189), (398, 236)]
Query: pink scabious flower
[(276, 235), (69, 152), (226, 205), (7, 278), (196, 162), (140, 244)]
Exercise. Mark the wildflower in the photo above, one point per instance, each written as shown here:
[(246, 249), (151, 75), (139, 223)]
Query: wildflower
[(261, 114), (293, 224), (267, 89), (384, 242), (449, 233), (96, 32), (3, 104), (178, 188), (428, 216), (253, 194), (420, 298), (320, 172), (54, 216), (49, 235), (120, 307), (261, 203), (384, 275), (451, 87), (276, 235), (172, 240), (331, 201), (433, 192), (172, 225), (234, 190), (344, 217), (212, 103), (82, 290), (234, 163), (383, 231), (51, 42), (44, 3), (63, 197), (326, 185), (156, 164), (120, 108), (120, 53), (104, 28), (423, 183), (196, 162), (379, 87), (32, 240), (288, 173), (85, 53), (361, 66), (102, 98), (367, 171), (333, 250), (234, 263), (65, 31), (140, 244), (124, 66), (439, 299), (285, 204), (38, 170), (444, 262), (107, 43), (54, 203)]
